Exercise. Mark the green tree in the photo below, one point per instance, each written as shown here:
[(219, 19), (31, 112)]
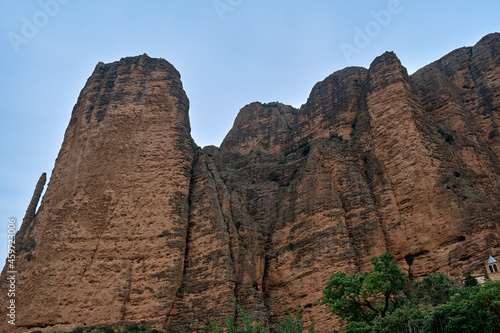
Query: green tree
[(463, 313), (361, 297), (434, 289), (470, 281), (487, 298)]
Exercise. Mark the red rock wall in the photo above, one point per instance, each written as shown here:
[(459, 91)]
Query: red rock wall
[(138, 225)]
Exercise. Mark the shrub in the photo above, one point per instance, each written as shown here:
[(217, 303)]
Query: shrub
[(273, 176), (306, 150), (470, 281), (132, 328), (289, 323), (292, 323), (434, 289), (354, 122)]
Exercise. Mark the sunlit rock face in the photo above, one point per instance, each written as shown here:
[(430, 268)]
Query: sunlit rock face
[(139, 225)]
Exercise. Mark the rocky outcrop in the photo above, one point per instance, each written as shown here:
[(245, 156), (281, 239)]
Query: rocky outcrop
[(35, 199), (111, 231), (140, 225)]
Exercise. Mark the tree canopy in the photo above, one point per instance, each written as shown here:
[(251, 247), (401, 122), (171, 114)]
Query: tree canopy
[(377, 301), (363, 296)]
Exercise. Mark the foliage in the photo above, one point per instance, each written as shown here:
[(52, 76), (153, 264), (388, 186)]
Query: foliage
[(244, 323), (361, 297), (273, 176), (103, 329), (408, 318), (354, 122), (434, 289), (459, 315), (344, 298), (487, 298), (289, 323), (336, 136), (437, 303), (358, 327), (292, 323), (474, 310), (134, 328), (470, 281), (306, 150)]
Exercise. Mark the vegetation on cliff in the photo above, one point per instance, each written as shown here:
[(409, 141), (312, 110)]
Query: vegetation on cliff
[(379, 301), (104, 329), (288, 323)]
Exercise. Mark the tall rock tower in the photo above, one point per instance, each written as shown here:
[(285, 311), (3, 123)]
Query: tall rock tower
[(96, 251)]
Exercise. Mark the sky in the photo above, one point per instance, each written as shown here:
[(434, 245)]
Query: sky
[(229, 53)]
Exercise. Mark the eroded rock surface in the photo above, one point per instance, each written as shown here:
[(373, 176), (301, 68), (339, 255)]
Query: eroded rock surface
[(139, 225)]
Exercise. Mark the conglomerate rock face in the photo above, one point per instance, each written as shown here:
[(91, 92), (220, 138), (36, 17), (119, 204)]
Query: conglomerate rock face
[(138, 225)]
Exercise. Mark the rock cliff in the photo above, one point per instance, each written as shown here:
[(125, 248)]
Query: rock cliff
[(140, 225)]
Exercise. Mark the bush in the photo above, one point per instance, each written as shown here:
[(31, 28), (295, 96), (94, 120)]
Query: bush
[(292, 323), (289, 323), (273, 176), (306, 150), (245, 322), (434, 289), (470, 281), (354, 122), (357, 327)]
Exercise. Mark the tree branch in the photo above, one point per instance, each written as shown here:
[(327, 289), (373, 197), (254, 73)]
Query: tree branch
[(387, 298), (370, 306)]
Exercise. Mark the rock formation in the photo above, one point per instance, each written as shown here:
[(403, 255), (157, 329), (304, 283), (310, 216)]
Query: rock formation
[(140, 225), (35, 199)]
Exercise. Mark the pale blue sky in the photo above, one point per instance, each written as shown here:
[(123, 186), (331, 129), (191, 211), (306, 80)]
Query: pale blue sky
[(229, 53)]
